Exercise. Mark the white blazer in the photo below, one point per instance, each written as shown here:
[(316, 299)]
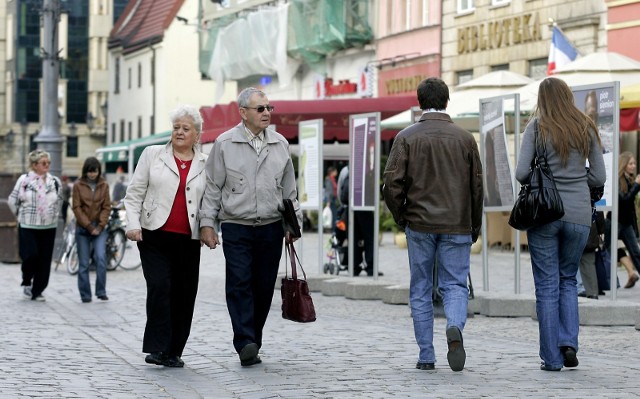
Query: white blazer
[(153, 187)]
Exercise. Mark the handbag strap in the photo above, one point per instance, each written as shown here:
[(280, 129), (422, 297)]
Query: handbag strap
[(539, 156), (293, 256)]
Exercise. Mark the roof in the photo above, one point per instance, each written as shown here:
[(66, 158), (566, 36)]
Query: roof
[(142, 23)]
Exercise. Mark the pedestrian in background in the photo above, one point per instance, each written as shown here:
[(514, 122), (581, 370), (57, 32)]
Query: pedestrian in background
[(628, 188), (162, 203), (119, 190), (36, 201), (91, 207), (433, 188), (65, 194), (587, 278), (331, 194), (570, 139), (249, 173)]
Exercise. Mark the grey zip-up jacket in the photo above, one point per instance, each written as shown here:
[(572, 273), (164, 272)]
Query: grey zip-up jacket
[(245, 187)]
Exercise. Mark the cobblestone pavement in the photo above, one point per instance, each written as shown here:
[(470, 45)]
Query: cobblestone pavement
[(63, 348)]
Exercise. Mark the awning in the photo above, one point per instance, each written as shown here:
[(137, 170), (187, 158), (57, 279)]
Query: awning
[(630, 96), (288, 114), (129, 151)]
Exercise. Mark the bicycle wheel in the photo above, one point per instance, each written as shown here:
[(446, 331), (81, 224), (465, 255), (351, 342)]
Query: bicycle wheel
[(72, 260), (116, 246)]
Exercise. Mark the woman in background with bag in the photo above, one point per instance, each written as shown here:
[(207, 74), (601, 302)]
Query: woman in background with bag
[(569, 138), (628, 188)]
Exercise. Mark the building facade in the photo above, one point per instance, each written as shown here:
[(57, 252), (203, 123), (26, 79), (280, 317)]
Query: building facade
[(82, 33)]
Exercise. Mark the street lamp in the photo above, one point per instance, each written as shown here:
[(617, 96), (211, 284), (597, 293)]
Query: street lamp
[(90, 122), (104, 108), (24, 125)]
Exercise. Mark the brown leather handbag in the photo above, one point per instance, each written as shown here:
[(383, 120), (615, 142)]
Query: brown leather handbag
[(297, 304)]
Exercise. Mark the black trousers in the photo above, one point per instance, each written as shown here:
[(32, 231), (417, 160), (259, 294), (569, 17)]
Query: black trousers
[(252, 256), (36, 250), (171, 266)]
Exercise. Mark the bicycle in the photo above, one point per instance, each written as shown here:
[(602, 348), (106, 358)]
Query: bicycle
[(116, 245)]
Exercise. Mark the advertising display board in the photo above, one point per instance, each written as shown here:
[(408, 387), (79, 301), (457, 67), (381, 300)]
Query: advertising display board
[(310, 165)]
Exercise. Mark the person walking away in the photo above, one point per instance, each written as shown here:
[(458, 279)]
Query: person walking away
[(65, 194), (628, 188), (36, 201), (587, 274), (249, 173), (119, 190), (433, 188), (162, 203), (569, 138), (91, 207)]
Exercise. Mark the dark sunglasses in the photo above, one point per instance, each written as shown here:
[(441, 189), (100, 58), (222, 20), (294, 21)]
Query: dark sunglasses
[(261, 108)]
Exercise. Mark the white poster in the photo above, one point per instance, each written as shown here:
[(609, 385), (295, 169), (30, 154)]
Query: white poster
[(310, 164)]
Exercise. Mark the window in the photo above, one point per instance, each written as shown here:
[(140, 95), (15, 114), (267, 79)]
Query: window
[(425, 12), (500, 67), (538, 68), (152, 125), (116, 88), (500, 2), (113, 132), (464, 76), (139, 74), (465, 6), (129, 78), (72, 146), (139, 127), (122, 130), (130, 125)]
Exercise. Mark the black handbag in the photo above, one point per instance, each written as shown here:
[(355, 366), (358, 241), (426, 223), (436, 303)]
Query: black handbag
[(538, 202), (297, 304), (290, 219)]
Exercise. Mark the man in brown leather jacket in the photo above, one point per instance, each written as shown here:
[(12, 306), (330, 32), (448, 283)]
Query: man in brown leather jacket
[(433, 188)]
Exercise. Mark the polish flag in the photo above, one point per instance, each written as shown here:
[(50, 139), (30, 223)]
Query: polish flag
[(562, 51)]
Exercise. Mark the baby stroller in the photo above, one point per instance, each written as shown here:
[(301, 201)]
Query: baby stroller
[(337, 252)]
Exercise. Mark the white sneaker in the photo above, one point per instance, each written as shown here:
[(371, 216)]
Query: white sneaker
[(27, 291), (39, 298)]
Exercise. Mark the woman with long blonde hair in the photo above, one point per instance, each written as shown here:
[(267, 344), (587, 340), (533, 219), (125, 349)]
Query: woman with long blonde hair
[(569, 138), (628, 188)]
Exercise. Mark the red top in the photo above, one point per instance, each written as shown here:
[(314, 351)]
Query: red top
[(178, 221)]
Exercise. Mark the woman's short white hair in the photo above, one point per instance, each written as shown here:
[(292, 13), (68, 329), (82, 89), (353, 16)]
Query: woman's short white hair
[(190, 111), (36, 155)]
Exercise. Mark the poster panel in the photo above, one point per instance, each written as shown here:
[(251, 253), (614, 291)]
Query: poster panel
[(364, 174), (310, 164), (499, 190), (600, 102)]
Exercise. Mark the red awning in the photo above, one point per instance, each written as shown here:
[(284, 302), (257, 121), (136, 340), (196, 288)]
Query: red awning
[(629, 119), (289, 113)]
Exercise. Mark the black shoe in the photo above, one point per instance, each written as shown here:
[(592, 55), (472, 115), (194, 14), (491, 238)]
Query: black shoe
[(173, 361), (249, 355), (425, 366), (570, 356), (370, 273), (103, 297), (156, 358), (86, 300), (592, 297), (456, 355), (583, 294)]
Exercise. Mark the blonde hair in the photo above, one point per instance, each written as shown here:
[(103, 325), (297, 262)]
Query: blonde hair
[(562, 122), (623, 161), (36, 155)]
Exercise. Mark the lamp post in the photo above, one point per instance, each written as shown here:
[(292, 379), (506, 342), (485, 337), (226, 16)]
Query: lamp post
[(50, 137), (90, 122), (24, 125), (104, 108)]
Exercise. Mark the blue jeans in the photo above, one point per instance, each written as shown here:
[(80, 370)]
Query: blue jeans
[(453, 253), (85, 241), (555, 250)]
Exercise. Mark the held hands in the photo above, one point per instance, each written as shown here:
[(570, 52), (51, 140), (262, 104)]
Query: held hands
[(209, 237), (134, 235)]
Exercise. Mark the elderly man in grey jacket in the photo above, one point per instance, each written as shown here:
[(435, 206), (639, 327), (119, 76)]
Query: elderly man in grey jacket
[(249, 173)]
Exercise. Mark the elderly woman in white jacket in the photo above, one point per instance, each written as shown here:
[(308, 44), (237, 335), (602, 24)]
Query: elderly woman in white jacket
[(162, 203)]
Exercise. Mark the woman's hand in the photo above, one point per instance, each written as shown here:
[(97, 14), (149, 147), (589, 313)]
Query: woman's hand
[(134, 235)]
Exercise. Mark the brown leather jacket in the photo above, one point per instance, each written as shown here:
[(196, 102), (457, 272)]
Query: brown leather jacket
[(433, 178), (91, 206)]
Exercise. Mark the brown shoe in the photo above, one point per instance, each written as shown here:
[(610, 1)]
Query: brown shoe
[(632, 280)]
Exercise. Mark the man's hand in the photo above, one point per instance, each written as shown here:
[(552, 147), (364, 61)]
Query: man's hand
[(209, 237), (290, 238), (134, 235)]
